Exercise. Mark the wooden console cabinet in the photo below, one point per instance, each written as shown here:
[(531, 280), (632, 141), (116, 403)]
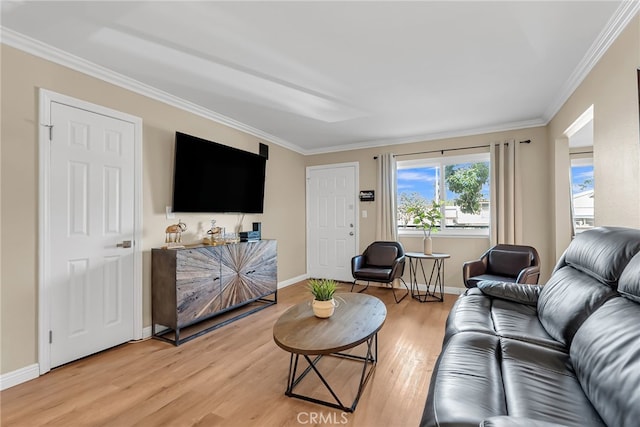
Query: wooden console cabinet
[(198, 283)]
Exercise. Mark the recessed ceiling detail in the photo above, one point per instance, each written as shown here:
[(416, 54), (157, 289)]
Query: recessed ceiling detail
[(328, 76)]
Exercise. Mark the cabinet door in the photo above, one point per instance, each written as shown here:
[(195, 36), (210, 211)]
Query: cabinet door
[(197, 283), (249, 271)]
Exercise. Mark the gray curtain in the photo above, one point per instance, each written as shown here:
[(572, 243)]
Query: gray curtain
[(386, 224)]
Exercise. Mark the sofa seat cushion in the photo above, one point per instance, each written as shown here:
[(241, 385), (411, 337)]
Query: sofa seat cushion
[(479, 376), (473, 281), (540, 383), (477, 312), (466, 385), (520, 322), (606, 356), (507, 421), (470, 312)]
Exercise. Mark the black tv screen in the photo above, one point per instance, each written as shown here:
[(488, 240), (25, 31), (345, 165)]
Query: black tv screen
[(211, 177)]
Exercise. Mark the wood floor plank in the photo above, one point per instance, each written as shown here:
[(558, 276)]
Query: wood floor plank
[(236, 376)]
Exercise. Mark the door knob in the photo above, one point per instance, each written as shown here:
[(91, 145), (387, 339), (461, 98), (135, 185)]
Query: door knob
[(124, 244), (351, 233)]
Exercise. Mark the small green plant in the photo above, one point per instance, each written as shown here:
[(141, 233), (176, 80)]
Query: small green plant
[(427, 217), (323, 289)]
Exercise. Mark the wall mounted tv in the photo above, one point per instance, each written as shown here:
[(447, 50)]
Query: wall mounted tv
[(211, 177)]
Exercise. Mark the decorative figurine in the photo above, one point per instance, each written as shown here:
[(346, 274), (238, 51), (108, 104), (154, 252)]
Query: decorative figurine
[(173, 233), (213, 234)]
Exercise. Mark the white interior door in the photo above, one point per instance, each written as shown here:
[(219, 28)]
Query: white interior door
[(332, 229), (91, 219)]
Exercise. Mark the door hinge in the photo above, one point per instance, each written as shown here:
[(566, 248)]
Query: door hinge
[(50, 337), (50, 127)]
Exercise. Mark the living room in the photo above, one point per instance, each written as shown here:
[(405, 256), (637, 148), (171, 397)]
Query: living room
[(611, 87)]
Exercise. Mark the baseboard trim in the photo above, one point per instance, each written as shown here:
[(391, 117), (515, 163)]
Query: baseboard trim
[(146, 332), (292, 281), (454, 291), (19, 376), (421, 287), (447, 289)]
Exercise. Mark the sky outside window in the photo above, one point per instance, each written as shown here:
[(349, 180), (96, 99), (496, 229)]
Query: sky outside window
[(424, 181), (581, 178)]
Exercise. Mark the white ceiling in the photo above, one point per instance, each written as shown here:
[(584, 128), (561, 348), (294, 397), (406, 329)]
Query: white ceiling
[(327, 76)]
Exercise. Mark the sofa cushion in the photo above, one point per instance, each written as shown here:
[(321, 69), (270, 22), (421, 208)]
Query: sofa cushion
[(629, 284), (606, 356), (507, 263), (470, 312), (507, 421), (521, 322), (381, 256), (540, 383), (477, 312), (568, 298), (603, 252), (466, 386)]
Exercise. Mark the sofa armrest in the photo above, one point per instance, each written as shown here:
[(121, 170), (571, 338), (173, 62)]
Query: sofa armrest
[(529, 275), (473, 268), (516, 292), (507, 421)]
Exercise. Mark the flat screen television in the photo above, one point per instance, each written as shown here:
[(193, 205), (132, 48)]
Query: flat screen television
[(211, 177)]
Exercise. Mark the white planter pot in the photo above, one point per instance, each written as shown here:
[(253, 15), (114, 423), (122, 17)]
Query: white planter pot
[(323, 309), (428, 245)]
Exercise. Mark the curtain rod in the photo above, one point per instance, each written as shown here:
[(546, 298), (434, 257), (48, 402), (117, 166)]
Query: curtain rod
[(581, 152), (527, 141)]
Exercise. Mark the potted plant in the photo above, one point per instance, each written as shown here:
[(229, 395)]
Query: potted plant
[(426, 218), (323, 289)]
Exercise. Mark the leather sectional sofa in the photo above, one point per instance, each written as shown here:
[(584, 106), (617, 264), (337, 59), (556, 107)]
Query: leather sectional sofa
[(566, 353)]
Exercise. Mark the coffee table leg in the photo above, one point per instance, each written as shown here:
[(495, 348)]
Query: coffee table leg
[(369, 360)]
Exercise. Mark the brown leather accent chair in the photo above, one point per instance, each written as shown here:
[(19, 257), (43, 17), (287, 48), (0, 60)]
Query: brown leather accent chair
[(504, 263), (381, 262)]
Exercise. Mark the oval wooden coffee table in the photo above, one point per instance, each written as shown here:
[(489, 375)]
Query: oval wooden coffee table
[(356, 320)]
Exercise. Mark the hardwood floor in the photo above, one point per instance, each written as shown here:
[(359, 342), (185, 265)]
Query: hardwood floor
[(236, 376)]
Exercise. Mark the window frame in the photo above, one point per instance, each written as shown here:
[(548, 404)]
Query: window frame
[(441, 163), (580, 160)]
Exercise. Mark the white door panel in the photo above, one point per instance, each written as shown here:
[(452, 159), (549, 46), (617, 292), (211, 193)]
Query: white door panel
[(91, 211), (331, 225)]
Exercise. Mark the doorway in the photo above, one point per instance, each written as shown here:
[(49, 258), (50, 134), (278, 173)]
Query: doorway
[(332, 220), (90, 281)]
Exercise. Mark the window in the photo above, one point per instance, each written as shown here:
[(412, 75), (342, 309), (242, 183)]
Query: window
[(582, 193), (460, 184)]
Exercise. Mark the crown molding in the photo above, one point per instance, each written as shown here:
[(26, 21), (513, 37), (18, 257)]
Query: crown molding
[(618, 22), (505, 127), (60, 57)]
